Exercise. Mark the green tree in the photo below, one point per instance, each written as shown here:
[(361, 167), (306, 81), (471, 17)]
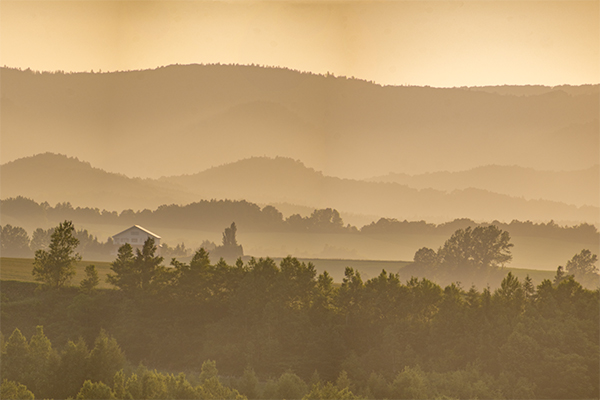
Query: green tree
[(15, 360), (119, 386), (528, 287), (142, 273), (148, 265), (192, 280), (411, 383), (179, 387), (14, 391), (88, 285), (248, 384), (106, 358), (95, 391), (208, 371), (211, 388), (56, 267), (511, 293), (72, 370), (43, 361), (290, 386), (329, 391), (153, 384), (124, 276)]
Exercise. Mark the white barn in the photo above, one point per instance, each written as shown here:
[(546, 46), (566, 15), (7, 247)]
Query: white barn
[(135, 236)]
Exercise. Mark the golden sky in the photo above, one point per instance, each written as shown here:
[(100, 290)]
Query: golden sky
[(436, 43)]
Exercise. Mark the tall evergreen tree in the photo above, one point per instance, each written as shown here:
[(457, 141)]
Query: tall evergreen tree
[(56, 267)]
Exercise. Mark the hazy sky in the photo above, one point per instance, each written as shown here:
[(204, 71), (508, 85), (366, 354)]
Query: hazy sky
[(437, 43)]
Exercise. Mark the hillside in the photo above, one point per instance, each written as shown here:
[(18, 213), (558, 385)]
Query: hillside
[(57, 178), (184, 119), (580, 187), (264, 180)]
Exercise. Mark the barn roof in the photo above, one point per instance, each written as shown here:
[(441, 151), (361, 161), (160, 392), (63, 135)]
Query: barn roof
[(141, 229)]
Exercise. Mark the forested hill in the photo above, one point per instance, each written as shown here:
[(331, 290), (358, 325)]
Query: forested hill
[(55, 178), (183, 119), (578, 187)]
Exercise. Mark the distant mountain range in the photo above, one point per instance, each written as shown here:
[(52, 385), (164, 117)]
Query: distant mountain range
[(184, 119), (57, 178), (580, 187)]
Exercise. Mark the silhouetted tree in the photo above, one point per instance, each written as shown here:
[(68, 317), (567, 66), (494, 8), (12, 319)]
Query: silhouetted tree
[(583, 267), (142, 273), (230, 249), (56, 267), (479, 249), (40, 239), (14, 242), (91, 280), (229, 238)]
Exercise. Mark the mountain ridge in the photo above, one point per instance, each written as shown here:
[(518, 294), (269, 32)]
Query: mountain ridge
[(265, 180), (576, 187), (192, 117)]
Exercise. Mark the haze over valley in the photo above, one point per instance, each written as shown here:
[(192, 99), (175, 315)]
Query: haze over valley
[(56, 178), (300, 199), (270, 136)]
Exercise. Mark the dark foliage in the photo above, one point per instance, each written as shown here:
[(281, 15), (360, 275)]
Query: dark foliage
[(379, 339)]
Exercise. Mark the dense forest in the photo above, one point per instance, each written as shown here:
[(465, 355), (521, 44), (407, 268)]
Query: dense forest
[(282, 331)]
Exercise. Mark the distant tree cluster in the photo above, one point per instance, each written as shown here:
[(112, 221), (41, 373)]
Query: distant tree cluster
[(466, 255), (583, 232), (17, 243), (56, 266), (215, 214), (230, 249), (374, 339), (207, 215)]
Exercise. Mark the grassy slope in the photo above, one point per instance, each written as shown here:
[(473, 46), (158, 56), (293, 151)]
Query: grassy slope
[(19, 269)]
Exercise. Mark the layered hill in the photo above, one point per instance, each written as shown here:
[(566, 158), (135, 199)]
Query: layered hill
[(580, 187), (57, 178), (264, 180), (184, 119)]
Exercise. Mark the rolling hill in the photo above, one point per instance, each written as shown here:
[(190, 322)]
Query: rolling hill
[(183, 119), (56, 178), (580, 187)]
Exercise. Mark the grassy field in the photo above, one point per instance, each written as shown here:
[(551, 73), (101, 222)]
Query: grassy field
[(19, 269), (531, 253)]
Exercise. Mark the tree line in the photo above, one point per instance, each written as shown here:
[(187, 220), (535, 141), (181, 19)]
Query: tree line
[(16, 242), (207, 214), (214, 215), (291, 327)]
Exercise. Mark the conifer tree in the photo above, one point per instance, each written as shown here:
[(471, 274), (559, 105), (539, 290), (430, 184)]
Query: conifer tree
[(56, 267)]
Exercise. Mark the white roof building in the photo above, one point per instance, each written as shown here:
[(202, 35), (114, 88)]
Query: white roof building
[(135, 236)]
